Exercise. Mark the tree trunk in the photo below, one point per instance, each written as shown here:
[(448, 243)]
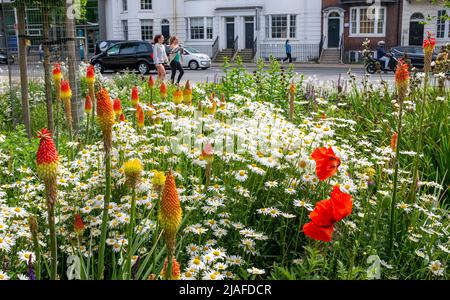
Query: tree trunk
[(46, 46), (71, 57), (23, 67)]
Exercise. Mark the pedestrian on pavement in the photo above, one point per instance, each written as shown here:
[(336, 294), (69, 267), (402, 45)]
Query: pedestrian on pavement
[(160, 56), (28, 44), (288, 49), (41, 53), (175, 58)]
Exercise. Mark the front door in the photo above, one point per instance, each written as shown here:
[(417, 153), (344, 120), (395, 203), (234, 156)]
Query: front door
[(230, 32), (165, 31), (249, 32), (416, 31), (333, 32)]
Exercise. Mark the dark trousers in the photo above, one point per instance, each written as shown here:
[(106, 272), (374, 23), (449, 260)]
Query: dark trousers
[(288, 56), (174, 66)]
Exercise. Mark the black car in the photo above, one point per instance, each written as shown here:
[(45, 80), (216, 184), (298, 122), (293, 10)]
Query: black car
[(414, 53), (134, 55), (101, 46)]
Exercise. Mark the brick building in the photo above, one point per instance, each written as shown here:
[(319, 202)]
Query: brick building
[(347, 23)]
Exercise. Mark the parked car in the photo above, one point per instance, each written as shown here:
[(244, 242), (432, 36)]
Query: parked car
[(4, 58), (193, 59), (101, 46), (414, 53), (134, 55)]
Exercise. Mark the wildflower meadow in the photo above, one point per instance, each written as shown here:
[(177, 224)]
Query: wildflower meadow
[(263, 175)]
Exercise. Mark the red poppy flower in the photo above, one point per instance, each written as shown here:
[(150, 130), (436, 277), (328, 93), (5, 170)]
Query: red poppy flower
[(342, 204), (326, 214), (318, 233), (327, 162)]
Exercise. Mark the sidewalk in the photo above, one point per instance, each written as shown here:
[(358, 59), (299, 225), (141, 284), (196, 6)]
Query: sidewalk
[(300, 65)]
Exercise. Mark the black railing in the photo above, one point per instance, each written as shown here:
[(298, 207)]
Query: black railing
[(341, 49), (215, 48), (235, 47), (321, 46), (255, 46)]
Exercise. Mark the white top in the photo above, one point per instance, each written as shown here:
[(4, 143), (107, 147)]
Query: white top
[(159, 54)]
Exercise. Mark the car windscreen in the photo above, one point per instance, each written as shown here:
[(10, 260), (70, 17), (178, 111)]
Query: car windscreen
[(191, 50), (114, 50)]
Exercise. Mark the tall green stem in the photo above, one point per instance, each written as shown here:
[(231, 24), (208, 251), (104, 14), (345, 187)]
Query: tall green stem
[(101, 254), (53, 246), (131, 230), (419, 148), (397, 163)]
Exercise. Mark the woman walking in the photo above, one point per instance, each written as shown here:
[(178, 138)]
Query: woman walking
[(175, 59), (288, 49), (160, 56)]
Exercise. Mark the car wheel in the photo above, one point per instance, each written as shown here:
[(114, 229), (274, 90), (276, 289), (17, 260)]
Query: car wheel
[(193, 65), (143, 68), (98, 66)]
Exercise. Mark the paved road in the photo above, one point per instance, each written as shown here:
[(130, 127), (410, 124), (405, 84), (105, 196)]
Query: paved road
[(325, 75)]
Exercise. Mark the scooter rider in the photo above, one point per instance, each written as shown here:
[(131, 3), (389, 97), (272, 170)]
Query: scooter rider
[(382, 55)]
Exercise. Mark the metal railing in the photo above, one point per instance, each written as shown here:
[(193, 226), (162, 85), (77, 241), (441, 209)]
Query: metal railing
[(341, 49), (321, 46), (235, 48), (255, 47), (215, 48)]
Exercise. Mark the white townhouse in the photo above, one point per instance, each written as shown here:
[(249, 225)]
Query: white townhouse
[(420, 16), (211, 26)]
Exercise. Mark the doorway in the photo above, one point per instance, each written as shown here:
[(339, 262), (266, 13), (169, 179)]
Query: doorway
[(230, 31), (334, 30), (165, 29), (249, 32), (416, 29)]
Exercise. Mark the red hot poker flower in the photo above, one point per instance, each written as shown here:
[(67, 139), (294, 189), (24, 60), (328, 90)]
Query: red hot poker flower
[(163, 90), (47, 156), (394, 141), (402, 76), (88, 105), (327, 162), (57, 73), (90, 75), (151, 82), (78, 225), (66, 92), (122, 118), (134, 96), (140, 116), (117, 106)]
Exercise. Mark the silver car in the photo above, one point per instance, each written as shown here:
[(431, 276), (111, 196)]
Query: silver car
[(193, 59)]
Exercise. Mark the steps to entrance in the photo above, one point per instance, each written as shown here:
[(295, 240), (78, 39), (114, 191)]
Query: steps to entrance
[(222, 54), (245, 54), (330, 56)]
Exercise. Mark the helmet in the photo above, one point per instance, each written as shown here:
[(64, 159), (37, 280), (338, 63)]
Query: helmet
[(381, 43)]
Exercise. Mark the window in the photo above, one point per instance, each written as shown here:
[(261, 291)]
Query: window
[(199, 28), (144, 47), (440, 26), (367, 20), (146, 29), (146, 4), (114, 50), (128, 48), (292, 26), (281, 26), (125, 29), (209, 28), (124, 5)]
